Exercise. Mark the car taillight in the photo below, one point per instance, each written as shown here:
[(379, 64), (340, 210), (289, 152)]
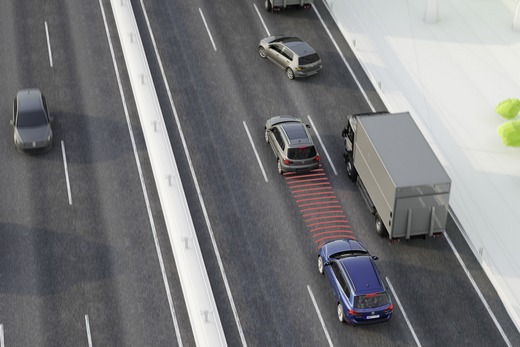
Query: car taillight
[(353, 313), (390, 308), (287, 161), (317, 158)]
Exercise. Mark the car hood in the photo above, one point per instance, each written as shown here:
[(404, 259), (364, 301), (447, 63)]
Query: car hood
[(338, 246), (35, 134), (270, 39), (281, 119)]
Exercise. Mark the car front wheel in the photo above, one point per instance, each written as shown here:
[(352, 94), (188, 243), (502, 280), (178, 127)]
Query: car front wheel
[(266, 136), (261, 51), (341, 316), (320, 264), (290, 73)]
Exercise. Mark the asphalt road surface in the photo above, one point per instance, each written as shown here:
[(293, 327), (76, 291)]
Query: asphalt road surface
[(82, 266)]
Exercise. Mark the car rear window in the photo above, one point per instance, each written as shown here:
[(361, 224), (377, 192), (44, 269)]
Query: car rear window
[(309, 59), (301, 152), (371, 300)]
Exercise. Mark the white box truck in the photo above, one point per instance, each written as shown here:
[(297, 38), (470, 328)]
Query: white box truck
[(277, 5), (400, 177)]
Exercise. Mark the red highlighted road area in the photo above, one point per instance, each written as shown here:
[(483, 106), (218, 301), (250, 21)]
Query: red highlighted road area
[(319, 206)]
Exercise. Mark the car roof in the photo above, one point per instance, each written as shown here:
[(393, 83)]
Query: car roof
[(29, 100), (300, 48), (363, 274), (296, 133)]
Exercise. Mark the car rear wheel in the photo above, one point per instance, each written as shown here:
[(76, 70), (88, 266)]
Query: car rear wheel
[(290, 73), (341, 316), (280, 170), (320, 264), (261, 51), (380, 226), (268, 6)]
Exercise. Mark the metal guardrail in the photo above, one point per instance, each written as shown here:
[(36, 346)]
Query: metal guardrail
[(198, 295)]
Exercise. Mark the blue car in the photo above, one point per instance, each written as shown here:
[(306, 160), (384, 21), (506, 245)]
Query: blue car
[(356, 283)]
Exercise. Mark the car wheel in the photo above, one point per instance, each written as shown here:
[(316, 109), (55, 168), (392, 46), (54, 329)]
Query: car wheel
[(268, 6), (380, 226), (290, 73), (280, 170), (320, 264), (261, 51), (266, 136), (341, 316)]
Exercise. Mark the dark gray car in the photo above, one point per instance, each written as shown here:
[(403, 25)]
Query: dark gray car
[(296, 57), (292, 144), (31, 120)]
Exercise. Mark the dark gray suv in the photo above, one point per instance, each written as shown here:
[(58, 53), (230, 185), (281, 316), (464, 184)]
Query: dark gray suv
[(296, 57), (292, 144)]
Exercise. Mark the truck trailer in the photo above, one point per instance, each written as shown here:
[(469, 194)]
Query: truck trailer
[(401, 179), (277, 5)]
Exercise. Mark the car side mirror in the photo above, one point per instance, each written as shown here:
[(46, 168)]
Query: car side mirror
[(308, 126), (375, 257), (327, 263)]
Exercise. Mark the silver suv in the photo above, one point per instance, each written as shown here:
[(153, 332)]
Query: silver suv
[(296, 57), (292, 144)]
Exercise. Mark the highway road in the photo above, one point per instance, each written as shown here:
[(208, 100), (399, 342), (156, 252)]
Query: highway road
[(78, 265), (82, 266)]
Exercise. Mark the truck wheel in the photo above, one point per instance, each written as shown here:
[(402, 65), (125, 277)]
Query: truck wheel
[(268, 6), (380, 226), (351, 171)]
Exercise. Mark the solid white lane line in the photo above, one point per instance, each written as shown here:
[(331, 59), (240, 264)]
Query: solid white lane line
[(143, 186), (48, 42), (344, 60), (403, 311), (477, 289), (2, 335), (89, 337), (256, 153), (207, 28), (262, 20), (319, 315), (66, 171), (323, 146), (196, 184)]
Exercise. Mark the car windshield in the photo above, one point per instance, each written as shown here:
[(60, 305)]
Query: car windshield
[(371, 300), (31, 119), (301, 152), (309, 59)]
